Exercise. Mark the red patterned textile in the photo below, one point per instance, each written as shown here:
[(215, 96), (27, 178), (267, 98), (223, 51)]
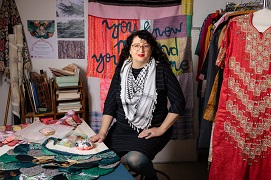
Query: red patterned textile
[(242, 135)]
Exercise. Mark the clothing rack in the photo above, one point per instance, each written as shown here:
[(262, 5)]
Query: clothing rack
[(246, 6)]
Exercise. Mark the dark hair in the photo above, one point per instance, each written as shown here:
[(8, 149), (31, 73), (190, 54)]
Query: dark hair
[(157, 53)]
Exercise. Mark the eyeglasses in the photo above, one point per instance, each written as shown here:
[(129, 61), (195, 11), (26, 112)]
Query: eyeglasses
[(144, 46)]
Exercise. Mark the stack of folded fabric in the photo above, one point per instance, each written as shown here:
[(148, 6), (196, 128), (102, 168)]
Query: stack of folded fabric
[(67, 76)]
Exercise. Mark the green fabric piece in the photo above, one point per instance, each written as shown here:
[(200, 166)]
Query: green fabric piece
[(189, 25), (107, 161), (80, 177), (16, 165), (12, 178), (92, 159), (87, 166), (110, 165), (79, 158), (46, 152), (21, 149), (62, 158), (5, 158), (35, 146), (106, 154), (97, 171)]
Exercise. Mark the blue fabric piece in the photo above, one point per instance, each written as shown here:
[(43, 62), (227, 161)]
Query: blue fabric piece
[(5, 158)]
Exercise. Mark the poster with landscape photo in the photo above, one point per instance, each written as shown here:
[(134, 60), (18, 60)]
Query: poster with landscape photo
[(70, 28), (70, 8)]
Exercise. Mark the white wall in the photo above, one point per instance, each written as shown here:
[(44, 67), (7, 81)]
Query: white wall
[(46, 10), (179, 150)]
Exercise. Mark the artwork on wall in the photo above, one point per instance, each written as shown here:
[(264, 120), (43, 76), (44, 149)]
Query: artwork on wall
[(70, 8), (71, 49), (41, 38), (70, 26), (106, 39), (109, 23)]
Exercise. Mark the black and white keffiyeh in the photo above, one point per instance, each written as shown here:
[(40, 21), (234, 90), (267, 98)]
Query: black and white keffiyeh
[(138, 95)]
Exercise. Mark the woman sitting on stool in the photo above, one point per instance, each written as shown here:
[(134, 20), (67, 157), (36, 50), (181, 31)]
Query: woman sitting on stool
[(137, 98)]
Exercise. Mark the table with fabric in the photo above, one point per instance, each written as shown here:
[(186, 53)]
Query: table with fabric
[(120, 172)]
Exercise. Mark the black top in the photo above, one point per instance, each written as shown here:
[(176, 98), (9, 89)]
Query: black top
[(121, 136), (136, 72)]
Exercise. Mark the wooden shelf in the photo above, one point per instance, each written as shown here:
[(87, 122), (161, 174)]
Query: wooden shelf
[(25, 115), (82, 99), (55, 102)]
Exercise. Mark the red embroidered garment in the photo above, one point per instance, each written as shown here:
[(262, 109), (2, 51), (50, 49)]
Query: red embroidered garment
[(242, 135)]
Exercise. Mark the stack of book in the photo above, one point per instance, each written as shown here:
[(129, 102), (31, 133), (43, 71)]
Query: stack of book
[(66, 106), (37, 92), (68, 94)]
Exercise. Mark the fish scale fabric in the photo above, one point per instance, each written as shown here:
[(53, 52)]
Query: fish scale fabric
[(47, 164)]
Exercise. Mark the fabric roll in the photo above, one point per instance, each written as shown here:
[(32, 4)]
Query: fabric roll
[(14, 74), (18, 29), (9, 10), (19, 61), (19, 43)]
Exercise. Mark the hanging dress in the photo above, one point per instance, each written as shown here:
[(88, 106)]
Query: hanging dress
[(242, 135)]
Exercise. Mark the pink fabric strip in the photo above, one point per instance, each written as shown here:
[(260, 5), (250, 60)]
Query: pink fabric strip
[(132, 12)]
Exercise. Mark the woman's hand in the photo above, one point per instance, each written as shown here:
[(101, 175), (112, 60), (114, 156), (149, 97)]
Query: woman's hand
[(97, 138), (152, 132)]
